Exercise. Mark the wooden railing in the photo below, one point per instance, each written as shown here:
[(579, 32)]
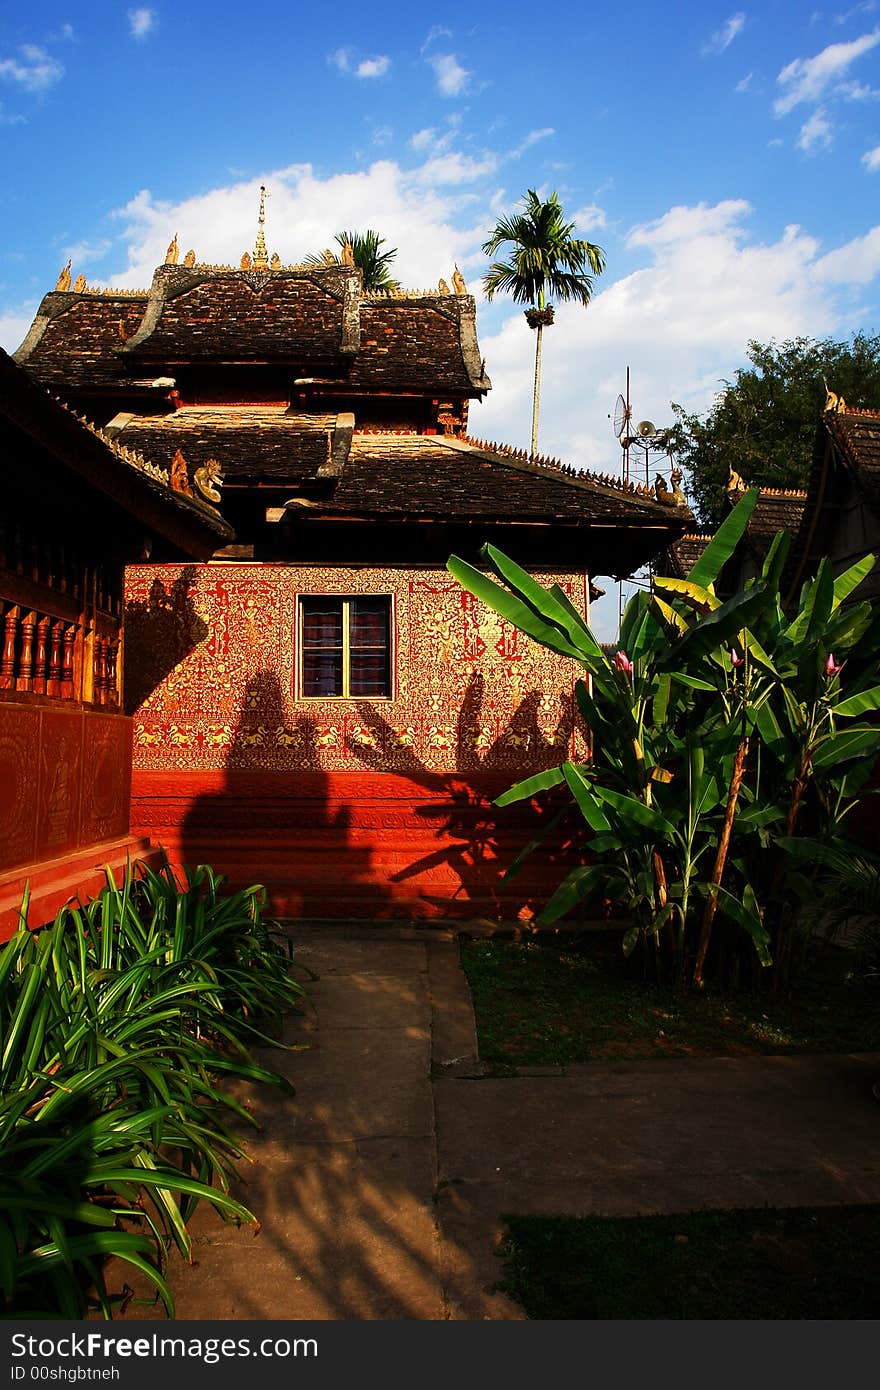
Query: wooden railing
[(60, 627)]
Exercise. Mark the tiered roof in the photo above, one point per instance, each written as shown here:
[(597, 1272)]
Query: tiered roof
[(317, 403), (316, 321)]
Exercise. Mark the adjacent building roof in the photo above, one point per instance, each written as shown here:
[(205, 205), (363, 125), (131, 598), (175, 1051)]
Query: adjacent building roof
[(103, 467), (844, 477)]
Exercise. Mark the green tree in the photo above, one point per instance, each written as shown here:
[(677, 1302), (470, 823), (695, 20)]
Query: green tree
[(544, 259), (763, 423), (373, 263)]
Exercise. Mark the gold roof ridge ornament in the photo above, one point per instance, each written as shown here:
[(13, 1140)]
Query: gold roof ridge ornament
[(261, 255)]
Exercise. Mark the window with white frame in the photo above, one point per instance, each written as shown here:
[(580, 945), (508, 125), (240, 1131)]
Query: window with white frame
[(344, 646)]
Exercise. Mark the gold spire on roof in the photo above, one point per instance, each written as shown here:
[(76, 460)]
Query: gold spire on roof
[(261, 255)]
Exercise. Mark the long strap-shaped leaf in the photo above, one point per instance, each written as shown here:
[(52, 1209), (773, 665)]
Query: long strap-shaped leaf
[(511, 608), (724, 542)]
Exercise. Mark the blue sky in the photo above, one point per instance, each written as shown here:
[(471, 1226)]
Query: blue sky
[(726, 159)]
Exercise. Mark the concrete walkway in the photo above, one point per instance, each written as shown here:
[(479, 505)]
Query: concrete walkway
[(381, 1185)]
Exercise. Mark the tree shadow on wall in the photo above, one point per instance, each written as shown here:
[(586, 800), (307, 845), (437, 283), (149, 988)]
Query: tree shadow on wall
[(160, 632), (266, 813), (473, 835)]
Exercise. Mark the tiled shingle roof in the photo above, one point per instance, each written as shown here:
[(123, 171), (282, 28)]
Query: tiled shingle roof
[(254, 444)]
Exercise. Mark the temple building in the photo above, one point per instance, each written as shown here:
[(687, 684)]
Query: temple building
[(318, 705)]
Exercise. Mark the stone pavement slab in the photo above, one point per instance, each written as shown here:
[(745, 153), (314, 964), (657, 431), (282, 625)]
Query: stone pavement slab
[(382, 1184), (621, 1139)]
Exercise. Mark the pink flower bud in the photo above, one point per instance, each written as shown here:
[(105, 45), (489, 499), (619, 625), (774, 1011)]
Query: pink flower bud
[(830, 668), (735, 658), (623, 664)]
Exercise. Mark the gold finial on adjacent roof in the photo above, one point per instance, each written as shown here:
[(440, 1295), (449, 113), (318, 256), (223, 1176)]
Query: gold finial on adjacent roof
[(180, 475), (189, 259), (735, 482), (833, 401), (458, 283), (64, 280), (442, 287), (173, 251), (79, 284), (347, 256), (261, 255)]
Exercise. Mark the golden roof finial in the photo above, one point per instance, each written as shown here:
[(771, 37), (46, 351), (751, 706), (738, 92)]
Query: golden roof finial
[(261, 256)]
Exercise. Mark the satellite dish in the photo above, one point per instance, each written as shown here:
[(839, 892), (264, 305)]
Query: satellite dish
[(646, 428), (622, 413)]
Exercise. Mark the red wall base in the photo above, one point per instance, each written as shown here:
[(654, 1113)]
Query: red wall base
[(336, 845), (75, 877)]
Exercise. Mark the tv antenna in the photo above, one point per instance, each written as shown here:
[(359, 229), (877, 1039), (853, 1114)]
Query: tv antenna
[(622, 418)]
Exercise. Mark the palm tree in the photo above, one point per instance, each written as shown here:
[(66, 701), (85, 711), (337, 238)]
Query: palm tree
[(544, 259), (372, 262)]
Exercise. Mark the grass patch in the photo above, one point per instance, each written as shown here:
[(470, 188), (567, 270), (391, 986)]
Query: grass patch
[(543, 1003), (803, 1263)]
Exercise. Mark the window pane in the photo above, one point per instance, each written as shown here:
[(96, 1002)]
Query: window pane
[(322, 622), (368, 622), (369, 673), (322, 673)]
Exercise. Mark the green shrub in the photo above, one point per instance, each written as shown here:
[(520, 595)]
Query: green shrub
[(120, 1023)]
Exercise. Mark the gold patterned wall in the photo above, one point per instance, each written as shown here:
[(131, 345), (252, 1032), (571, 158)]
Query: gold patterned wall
[(211, 676)]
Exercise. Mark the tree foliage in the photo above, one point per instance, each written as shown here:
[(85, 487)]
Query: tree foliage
[(763, 423), (543, 259)]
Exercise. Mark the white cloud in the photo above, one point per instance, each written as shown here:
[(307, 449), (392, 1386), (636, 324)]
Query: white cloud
[(343, 59), (452, 78), (724, 37), (531, 139), (87, 252), (436, 32), (423, 139), (807, 79), (815, 133), (590, 218), (744, 83), (373, 67), (455, 168), (856, 263), (34, 70), (142, 22), (14, 325), (871, 160)]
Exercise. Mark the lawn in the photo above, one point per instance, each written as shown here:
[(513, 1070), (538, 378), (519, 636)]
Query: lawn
[(541, 1003), (802, 1263)]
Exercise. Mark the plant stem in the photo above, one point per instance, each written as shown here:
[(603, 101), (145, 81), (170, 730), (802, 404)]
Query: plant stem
[(739, 764)]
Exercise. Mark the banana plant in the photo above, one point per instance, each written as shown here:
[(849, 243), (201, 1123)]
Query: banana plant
[(712, 728)]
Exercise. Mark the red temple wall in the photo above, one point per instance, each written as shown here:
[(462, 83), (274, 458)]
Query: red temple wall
[(65, 785), (342, 807)]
